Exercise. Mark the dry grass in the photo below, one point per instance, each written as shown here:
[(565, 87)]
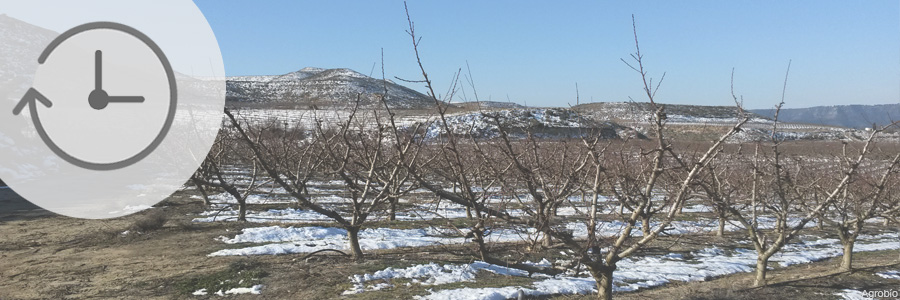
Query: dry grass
[(153, 220)]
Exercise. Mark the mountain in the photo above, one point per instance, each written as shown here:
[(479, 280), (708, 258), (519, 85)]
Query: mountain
[(20, 45), (640, 112), (488, 105), (698, 122), (853, 116), (543, 122), (320, 88)]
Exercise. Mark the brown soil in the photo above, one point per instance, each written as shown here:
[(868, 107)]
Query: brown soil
[(46, 256)]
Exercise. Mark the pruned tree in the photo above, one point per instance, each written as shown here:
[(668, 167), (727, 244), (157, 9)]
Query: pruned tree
[(227, 155), (601, 254), (784, 188), (722, 192), (863, 197), (548, 171), (292, 160), (371, 165), (451, 165)]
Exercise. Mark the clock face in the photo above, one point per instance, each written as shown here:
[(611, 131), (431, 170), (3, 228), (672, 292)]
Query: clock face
[(116, 80), (106, 110)]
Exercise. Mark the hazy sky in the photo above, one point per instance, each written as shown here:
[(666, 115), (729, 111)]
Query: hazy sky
[(842, 52)]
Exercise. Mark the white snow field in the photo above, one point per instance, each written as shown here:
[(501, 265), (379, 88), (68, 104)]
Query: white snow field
[(278, 240), (632, 273)]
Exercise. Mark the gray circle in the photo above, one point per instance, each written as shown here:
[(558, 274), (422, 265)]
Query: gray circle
[(27, 164), (173, 97)]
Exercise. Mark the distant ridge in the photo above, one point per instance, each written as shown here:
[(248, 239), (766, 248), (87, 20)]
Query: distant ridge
[(852, 116), (312, 87), (475, 105)]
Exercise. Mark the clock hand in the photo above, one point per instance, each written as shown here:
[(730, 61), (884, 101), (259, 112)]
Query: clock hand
[(125, 99), (98, 70), (99, 98)]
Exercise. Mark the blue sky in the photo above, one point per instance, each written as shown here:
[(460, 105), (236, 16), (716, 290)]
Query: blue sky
[(842, 52)]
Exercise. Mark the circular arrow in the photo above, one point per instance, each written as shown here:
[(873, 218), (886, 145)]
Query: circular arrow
[(33, 96)]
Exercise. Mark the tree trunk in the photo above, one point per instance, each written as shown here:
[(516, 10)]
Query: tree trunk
[(392, 213), (478, 238), (199, 188), (544, 223), (242, 209), (353, 236), (761, 264), (645, 225), (847, 260), (547, 240), (604, 279), (242, 202), (468, 213), (721, 231)]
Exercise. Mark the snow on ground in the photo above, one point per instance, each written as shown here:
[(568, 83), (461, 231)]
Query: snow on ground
[(254, 290), (281, 240), (852, 295), (632, 273), (226, 198), (221, 210), (697, 208), (889, 274), (308, 239), (288, 215), (429, 274)]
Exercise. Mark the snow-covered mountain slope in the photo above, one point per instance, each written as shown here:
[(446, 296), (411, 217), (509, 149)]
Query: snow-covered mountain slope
[(691, 119), (316, 87), (675, 113), (544, 122), (20, 45), (489, 105)]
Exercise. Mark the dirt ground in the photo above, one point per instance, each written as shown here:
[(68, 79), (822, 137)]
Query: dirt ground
[(46, 256)]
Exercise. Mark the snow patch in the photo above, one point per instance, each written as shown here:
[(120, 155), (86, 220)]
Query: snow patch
[(889, 274), (643, 272), (852, 295), (255, 290), (310, 239)]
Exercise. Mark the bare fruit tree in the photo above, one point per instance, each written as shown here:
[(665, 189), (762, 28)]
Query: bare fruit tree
[(548, 171), (371, 167), (865, 197), (601, 254), (224, 169), (786, 190), (291, 160)]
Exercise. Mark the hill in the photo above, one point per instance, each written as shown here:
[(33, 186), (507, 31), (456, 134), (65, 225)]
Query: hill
[(675, 113), (853, 116), (320, 88), (20, 43)]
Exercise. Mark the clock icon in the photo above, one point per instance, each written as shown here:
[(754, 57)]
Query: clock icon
[(104, 96)]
